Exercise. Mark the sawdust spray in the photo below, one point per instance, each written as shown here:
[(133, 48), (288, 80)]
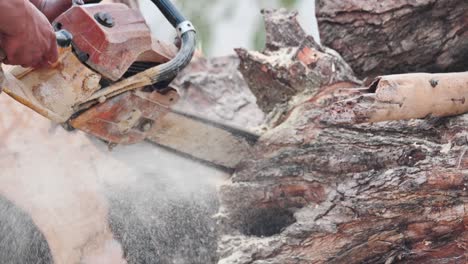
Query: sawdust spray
[(136, 204), (165, 213)]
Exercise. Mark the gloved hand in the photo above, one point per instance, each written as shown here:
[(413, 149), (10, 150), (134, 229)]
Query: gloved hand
[(26, 35)]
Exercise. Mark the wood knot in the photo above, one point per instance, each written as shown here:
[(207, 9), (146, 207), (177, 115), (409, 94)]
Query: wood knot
[(434, 83)]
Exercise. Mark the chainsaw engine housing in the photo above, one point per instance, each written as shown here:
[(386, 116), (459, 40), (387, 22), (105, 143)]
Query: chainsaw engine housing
[(110, 43), (111, 37)]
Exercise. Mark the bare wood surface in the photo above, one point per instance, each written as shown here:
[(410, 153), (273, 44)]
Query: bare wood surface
[(403, 97)]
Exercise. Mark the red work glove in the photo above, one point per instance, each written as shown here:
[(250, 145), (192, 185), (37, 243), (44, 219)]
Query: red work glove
[(27, 37)]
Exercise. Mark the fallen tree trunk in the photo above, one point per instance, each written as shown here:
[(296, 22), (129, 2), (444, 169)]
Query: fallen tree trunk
[(396, 36), (319, 190)]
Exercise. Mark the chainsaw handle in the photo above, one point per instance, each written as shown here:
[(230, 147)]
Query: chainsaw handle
[(188, 37), (170, 69)]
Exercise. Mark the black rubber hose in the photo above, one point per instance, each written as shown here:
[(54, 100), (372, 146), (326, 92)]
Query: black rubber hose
[(170, 69), (171, 13)]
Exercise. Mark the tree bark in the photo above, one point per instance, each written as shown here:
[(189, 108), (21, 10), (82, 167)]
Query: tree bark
[(292, 66), (397, 36), (318, 190)]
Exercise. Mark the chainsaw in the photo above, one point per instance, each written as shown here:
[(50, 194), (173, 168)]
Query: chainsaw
[(112, 81)]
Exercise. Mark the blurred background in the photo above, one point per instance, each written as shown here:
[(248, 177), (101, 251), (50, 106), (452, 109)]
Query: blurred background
[(226, 24)]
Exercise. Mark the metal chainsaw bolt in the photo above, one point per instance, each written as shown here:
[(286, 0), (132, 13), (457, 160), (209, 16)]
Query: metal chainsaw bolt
[(105, 19)]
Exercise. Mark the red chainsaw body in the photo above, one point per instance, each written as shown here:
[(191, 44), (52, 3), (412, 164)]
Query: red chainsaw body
[(112, 49), (129, 117)]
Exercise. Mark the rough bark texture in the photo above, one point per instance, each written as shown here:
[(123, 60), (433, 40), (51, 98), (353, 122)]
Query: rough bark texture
[(292, 66), (327, 192), (397, 36)]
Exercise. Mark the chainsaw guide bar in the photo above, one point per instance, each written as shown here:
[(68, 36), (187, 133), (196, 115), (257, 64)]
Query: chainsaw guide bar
[(112, 81), (203, 140)]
